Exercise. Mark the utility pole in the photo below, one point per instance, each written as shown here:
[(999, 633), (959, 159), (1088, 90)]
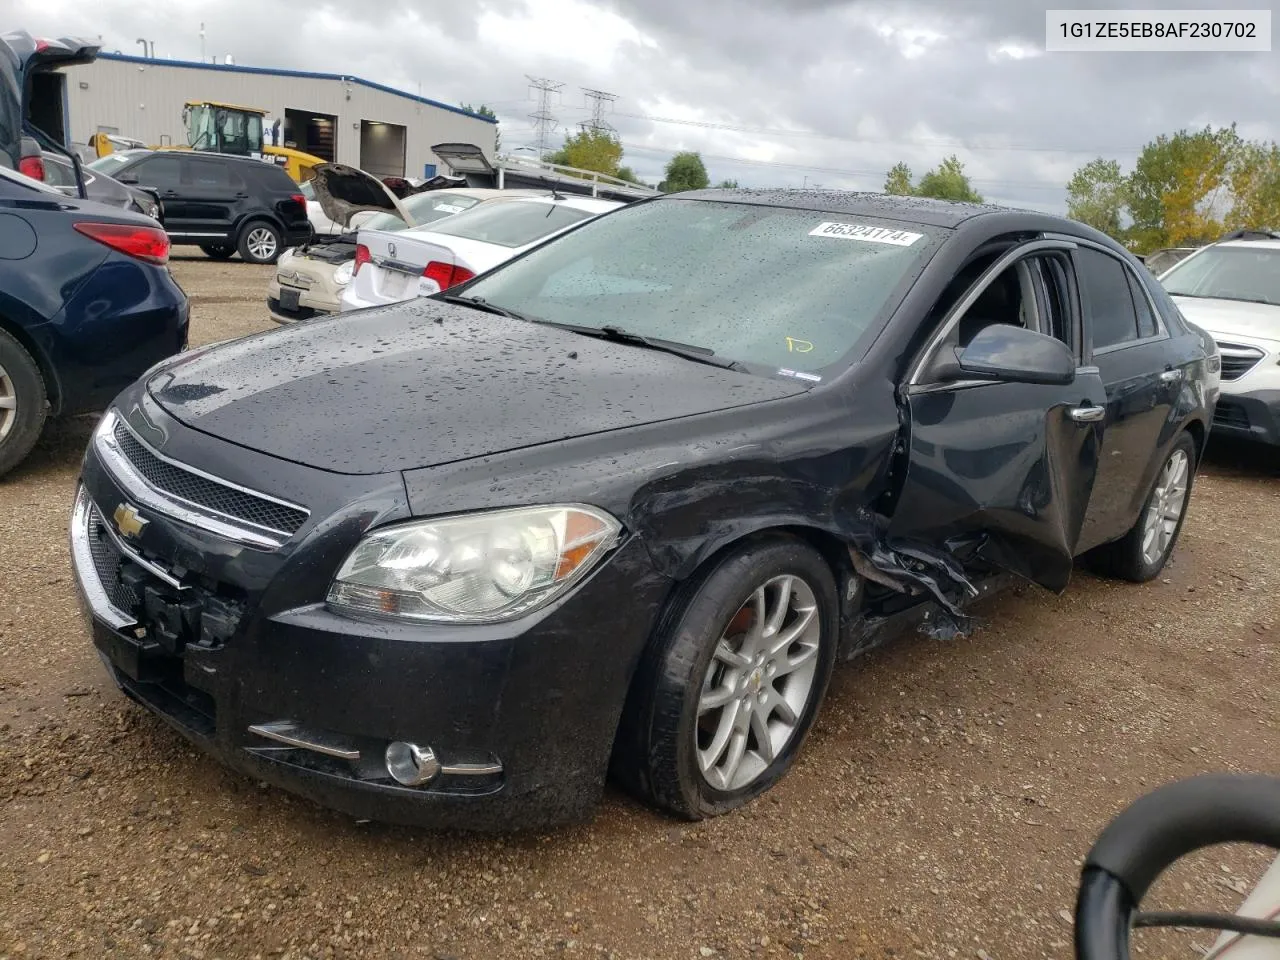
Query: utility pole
[(598, 99), (543, 120), (202, 43)]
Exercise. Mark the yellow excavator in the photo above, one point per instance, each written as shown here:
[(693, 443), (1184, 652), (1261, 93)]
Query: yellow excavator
[(227, 128)]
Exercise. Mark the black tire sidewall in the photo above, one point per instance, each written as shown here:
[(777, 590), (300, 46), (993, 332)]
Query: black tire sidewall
[(674, 776), (242, 243), (33, 402)]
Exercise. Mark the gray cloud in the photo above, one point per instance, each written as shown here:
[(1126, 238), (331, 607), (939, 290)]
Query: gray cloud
[(869, 82)]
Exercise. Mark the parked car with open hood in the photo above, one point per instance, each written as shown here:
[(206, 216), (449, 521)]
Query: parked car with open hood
[(309, 280), (1232, 290), (625, 499), (390, 267)]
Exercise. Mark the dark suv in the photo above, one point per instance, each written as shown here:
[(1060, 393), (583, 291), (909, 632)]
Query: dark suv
[(223, 204)]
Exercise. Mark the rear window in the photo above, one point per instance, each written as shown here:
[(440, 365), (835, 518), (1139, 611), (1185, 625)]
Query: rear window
[(269, 175), (511, 223), (425, 208)]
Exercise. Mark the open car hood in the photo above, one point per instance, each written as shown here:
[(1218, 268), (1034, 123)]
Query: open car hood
[(344, 191)]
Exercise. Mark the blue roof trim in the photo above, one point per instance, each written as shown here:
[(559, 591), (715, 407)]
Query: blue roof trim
[(305, 74)]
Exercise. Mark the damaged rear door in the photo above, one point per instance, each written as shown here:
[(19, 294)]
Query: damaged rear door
[(1003, 423)]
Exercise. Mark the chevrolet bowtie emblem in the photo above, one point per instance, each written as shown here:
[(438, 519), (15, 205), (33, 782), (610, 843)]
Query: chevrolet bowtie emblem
[(127, 521), (391, 249)]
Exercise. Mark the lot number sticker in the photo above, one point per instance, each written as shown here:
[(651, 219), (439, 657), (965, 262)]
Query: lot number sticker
[(869, 234)]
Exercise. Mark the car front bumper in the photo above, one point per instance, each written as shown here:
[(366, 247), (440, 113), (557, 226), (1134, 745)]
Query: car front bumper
[(316, 297), (1249, 416), (522, 715)]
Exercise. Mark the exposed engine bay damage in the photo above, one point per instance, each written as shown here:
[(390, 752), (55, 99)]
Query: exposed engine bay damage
[(915, 571)]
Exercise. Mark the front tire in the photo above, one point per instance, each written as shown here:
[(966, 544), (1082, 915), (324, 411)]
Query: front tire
[(260, 242), (1143, 552), (724, 698), (24, 403)]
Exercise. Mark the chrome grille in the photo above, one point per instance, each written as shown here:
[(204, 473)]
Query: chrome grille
[(204, 492), (1238, 359), (106, 563)]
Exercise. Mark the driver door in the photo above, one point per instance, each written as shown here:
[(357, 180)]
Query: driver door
[(997, 465)]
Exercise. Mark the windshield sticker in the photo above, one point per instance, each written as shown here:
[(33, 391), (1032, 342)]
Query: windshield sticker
[(450, 207), (862, 231), (799, 374)]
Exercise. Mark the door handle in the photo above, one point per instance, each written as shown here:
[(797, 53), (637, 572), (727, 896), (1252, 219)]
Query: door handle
[(1172, 376), (1088, 414)]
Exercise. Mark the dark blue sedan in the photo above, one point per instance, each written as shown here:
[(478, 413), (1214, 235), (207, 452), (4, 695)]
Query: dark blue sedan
[(87, 304)]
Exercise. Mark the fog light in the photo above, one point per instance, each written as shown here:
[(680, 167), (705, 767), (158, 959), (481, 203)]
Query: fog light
[(410, 764)]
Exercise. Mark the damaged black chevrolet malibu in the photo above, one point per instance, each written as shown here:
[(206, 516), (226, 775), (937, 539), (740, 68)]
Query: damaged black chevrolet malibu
[(620, 504)]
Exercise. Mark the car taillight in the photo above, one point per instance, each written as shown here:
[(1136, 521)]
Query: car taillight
[(300, 200), (145, 243), (446, 275), (32, 167), (362, 256)]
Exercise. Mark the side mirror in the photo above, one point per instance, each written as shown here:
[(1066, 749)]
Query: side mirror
[(1017, 355), (128, 178)]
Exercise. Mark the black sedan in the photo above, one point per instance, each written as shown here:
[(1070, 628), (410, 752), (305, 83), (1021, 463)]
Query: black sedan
[(622, 502)]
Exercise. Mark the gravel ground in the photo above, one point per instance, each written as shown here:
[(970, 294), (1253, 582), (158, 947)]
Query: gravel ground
[(940, 809)]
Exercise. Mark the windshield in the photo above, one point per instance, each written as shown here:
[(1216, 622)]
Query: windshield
[(772, 286), (1228, 273), (425, 208), (512, 223), (109, 164)]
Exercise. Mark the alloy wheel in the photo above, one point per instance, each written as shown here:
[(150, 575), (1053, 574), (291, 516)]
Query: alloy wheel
[(8, 404), (261, 243), (758, 683), (1165, 509)]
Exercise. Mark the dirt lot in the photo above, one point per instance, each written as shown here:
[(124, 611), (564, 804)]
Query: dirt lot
[(939, 810)]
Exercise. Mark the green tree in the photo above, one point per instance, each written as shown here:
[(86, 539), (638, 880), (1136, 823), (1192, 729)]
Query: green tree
[(486, 111), (1180, 187), (947, 182), (898, 182), (1255, 188), (727, 185), (626, 173), (596, 150), (685, 171), (1098, 195)]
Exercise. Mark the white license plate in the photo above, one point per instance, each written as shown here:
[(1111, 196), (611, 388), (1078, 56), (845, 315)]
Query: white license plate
[(395, 285)]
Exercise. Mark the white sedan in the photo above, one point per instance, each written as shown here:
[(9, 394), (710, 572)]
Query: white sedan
[(390, 267)]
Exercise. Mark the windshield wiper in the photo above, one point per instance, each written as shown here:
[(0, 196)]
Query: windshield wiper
[(480, 303), (618, 335)]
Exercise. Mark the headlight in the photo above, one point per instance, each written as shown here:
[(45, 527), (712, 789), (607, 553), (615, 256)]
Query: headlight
[(342, 275), (481, 568)]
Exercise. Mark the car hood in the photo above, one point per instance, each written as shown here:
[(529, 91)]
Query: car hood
[(1232, 318), (425, 383), (344, 191)]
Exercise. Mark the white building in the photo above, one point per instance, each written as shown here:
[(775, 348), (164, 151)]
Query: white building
[(341, 118)]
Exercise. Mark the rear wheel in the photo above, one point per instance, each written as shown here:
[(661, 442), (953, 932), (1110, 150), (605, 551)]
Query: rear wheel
[(259, 242), (23, 403), (1145, 549), (724, 699), (218, 251)]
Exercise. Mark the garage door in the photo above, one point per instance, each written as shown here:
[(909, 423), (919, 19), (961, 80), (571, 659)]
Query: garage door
[(382, 147)]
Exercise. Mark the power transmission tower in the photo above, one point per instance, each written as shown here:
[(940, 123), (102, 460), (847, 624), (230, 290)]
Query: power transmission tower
[(543, 121), (599, 99)]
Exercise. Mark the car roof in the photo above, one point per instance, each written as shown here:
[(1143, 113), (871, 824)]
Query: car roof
[(1252, 244), (925, 210)]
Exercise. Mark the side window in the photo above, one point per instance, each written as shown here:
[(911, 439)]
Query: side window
[(1052, 272), (206, 173), (1146, 319), (1109, 301), (159, 171)]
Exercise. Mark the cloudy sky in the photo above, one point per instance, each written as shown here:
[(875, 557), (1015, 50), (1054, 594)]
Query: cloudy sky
[(772, 92)]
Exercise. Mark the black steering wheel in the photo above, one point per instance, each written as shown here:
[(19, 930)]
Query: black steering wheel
[(1154, 832)]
